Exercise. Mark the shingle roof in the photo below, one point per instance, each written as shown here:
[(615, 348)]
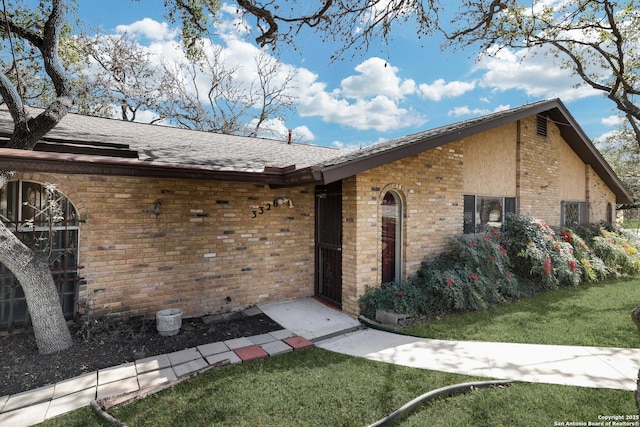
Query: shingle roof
[(350, 164), (161, 150), (453, 131), (187, 147)]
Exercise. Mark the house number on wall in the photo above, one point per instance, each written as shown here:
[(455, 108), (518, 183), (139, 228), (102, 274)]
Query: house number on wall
[(261, 210)]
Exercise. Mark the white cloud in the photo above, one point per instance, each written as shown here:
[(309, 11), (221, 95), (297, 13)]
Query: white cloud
[(376, 77), (146, 116), (149, 29), (440, 89), (535, 74), (277, 129), (230, 21), (466, 111), (372, 98), (379, 113), (358, 103), (302, 134), (354, 145), (603, 140), (612, 120)]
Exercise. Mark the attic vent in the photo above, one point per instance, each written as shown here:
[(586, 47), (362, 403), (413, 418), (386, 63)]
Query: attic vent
[(541, 125)]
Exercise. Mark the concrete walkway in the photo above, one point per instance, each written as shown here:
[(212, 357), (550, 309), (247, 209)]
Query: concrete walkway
[(35, 406), (307, 322), (599, 367)]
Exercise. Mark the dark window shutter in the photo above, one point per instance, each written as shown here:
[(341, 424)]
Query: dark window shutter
[(469, 214), (509, 206), (584, 213), (562, 218)]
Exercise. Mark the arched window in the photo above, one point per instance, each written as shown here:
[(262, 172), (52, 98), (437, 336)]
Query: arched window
[(391, 237), (47, 222)]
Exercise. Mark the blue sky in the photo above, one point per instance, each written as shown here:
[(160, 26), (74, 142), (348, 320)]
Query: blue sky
[(392, 90)]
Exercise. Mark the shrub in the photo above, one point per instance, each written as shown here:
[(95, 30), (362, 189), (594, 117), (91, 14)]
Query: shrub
[(592, 267), (525, 257), (473, 276), (401, 297), (544, 256), (615, 251)]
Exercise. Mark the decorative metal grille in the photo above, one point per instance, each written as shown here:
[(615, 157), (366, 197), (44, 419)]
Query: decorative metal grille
[(571, 214), (574, 214), (45, 221)]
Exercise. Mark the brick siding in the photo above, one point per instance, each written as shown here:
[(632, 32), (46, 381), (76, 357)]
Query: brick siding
[(430, 185), (203, 247)]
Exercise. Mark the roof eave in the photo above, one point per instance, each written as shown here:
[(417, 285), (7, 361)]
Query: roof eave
[(344, 170), (33, 161), (578, 140), (574, 135)]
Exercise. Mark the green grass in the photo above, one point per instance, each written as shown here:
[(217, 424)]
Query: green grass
[(318, 388), (524, 405), (591, 315)]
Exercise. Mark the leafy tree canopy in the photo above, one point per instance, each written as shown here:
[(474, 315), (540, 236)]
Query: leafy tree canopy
[(596, 39)]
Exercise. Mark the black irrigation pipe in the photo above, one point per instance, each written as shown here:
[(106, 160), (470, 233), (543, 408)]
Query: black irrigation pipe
[(440, 392)]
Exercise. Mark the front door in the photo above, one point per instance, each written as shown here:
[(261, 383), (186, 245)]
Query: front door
[(390, 238), (329, 243)]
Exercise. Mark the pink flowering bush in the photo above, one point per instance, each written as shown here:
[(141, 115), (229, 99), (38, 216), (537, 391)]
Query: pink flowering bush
[(523, 258), (475, 275), (592, 267), (544, 258)]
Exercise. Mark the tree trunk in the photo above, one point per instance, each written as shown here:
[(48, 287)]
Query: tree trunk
[(49, 326)]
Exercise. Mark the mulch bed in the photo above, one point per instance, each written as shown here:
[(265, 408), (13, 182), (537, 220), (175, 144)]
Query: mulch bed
[(105, 343)]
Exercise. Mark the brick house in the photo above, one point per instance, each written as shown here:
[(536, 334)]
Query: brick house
[(159, 217)]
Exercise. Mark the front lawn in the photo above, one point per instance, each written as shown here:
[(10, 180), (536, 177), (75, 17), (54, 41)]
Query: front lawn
[(318, 388), (596, 314), (315, 387)]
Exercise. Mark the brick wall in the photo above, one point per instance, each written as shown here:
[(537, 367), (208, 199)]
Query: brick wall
[(490, 167), (430, 185), (551, 172), (600, 197), (203, 247), (539, 172), (206, 245)]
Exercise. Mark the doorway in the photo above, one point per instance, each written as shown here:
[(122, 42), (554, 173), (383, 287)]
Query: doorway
[(329, 243), (391, 237)]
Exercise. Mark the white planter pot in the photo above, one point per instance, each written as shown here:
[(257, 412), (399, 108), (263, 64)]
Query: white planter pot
[(169, 321)]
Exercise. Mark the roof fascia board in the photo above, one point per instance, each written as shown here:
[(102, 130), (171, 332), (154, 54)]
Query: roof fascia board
[(340, 171), (32, 161), (590, 154)]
